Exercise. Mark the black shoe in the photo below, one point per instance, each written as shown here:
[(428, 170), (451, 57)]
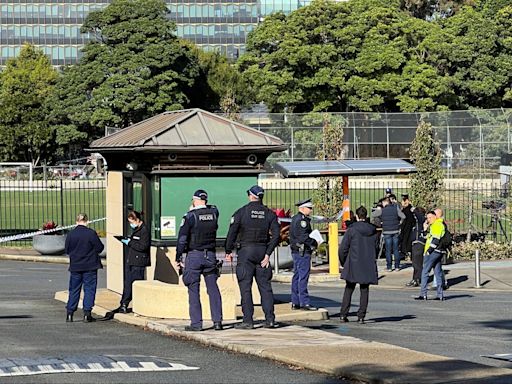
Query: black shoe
[(344, 319), (361, 321), (190, 328), (123, 309), (308, 307), (88, 317), (295, 306), (270, 324), (439, 298), (69, 317), (445, 287), (412, 283), (421, 298), (218, 326), (244, 326)]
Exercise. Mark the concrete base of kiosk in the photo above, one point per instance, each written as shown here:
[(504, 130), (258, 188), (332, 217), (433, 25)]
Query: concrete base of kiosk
[(170, 301)]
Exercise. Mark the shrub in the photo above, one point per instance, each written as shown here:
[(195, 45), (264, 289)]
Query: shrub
[(489, 250)]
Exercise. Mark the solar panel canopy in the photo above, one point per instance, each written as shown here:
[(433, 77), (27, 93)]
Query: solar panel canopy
[(345, 167)]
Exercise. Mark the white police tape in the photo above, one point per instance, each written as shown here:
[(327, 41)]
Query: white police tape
[(43, 231)]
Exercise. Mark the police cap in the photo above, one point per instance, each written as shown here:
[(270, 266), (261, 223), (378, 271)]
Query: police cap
[(256, 191), (200, 194), (306, 203), (389, 190), (405, 196)]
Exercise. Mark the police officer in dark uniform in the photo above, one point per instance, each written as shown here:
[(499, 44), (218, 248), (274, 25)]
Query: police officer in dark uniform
[(301, 246), (197, 236), (254, 231), (137, 257)]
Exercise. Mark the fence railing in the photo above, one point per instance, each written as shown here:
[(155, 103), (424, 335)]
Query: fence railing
[(479, 206), (25, 206)]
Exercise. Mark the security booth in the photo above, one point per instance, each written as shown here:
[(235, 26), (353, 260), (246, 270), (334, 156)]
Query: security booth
[(344, 169), (155, 166)]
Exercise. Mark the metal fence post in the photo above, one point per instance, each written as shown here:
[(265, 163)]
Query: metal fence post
[(477, 269), (61, 202)]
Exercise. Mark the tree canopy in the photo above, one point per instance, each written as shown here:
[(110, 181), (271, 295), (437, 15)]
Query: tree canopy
[(25, 85), (135, 68), (369, 55)]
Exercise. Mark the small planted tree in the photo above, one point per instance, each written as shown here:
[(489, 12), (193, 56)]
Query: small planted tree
[(427, 182), (328, 197)]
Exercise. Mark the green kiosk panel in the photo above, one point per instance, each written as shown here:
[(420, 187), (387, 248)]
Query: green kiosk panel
[(228, 193)]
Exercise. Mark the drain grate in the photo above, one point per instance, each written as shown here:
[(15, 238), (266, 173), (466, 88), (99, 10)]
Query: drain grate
[(90, 363)]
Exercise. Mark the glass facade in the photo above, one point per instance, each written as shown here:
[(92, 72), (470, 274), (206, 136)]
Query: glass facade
[(54, 26)]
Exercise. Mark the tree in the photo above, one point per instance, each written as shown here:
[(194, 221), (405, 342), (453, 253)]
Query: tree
[(360, 55), (328, 197), (471, 51), (427, 9), (134, 68), (427, 182), (228, 89), (25, 85)]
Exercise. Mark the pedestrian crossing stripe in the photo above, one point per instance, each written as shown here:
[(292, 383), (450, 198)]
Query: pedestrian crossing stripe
[(500, 356), (89, 363)]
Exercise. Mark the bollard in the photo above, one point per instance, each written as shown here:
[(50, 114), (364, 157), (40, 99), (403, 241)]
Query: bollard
[(477, 269), (276, 260), (334, 264)]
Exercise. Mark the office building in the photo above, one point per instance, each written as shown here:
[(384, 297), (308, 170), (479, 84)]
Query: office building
[(54, 26)]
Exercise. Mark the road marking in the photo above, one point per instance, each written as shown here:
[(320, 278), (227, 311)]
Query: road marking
[(90, 363), (500, 356)]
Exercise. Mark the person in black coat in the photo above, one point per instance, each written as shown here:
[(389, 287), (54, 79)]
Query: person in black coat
[(357, 254), (83, 247), (137, 258), (406, 227)]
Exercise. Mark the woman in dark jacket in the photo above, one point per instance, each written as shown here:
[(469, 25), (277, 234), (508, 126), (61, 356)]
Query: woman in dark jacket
[(137, 257), (357, 256)]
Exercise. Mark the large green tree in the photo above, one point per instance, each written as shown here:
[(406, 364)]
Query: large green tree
[(135, 67), (362, 55), (25, 85)]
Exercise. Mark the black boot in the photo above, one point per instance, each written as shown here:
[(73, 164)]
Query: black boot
[(69, 317), (88, 317), (218, 326), (123, 308)]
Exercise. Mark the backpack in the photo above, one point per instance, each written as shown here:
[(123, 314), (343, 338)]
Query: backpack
[(446, 241)]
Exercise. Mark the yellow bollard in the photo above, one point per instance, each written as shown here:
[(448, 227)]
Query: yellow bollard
[(334, 264)]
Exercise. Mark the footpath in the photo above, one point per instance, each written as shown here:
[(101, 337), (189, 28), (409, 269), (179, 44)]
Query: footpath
[(329, 353)]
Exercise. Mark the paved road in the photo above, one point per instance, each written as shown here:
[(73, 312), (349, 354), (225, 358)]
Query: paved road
[(465, 326), (32, 326)]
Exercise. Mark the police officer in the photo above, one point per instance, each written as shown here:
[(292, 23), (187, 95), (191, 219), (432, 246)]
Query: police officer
[(255, 230), (197, 236), (301, 246), (137, 257)]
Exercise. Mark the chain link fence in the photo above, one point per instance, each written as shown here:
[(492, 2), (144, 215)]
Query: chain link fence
[(472, 142)]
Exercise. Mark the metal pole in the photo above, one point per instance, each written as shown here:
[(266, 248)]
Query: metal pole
[(62, 202), (477, 269), (334, 264), (276, 260)]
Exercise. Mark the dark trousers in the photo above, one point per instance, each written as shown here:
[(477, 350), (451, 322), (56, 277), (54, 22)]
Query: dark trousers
[(417, 260), (89, 280), (301, 269), (391, 241), (248, 268), (432, 261), (199, 263), (347, 299), (131, 273)]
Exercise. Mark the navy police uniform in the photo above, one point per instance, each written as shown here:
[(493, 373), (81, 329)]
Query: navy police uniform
[(136, 260), (254, 232), (197, 237), (301, 246)]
